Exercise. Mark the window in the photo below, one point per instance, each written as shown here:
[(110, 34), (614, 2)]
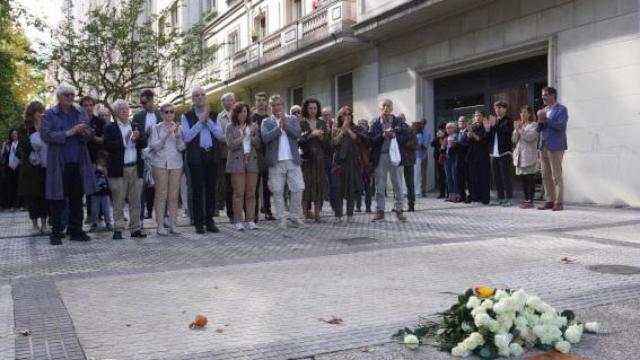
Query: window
[(232, 43), (294, 10), (207, 6), (259, 27), (174, 16), (344, 90), (296, 96)]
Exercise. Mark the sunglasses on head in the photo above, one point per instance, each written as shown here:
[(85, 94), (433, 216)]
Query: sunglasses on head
[(169, 111)]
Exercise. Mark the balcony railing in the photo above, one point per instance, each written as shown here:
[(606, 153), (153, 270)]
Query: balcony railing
[(333, 17)]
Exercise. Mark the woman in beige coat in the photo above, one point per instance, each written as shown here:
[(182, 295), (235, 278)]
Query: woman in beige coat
[(525, 153), (242, 163)]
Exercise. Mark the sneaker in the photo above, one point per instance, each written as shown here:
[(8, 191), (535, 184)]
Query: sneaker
[(162, 231), (495, 202), (252, 226), (297, 223), (269, 216), (379, 216), (238, 226), (212, 228), (283, 224), (401, 216)]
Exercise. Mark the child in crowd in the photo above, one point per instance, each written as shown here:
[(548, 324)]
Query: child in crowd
[(101, 199)]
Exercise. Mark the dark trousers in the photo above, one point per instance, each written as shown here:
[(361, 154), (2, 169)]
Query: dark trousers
[(368, 182), (441, 179), (480, 180), (528, 186), (147, 196), (340, 196), (204, 178), (462, 172), (37, 206), (502, 168), (10, 188), (73, 192), (410, 183), (263, 179)]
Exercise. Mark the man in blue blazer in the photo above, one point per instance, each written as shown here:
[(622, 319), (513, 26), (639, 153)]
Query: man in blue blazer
[(552, 126)]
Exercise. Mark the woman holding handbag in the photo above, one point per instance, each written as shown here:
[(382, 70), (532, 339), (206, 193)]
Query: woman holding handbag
[(167, 145)]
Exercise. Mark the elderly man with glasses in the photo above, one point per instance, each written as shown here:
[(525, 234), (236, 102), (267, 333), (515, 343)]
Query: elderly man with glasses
[(66, 130)]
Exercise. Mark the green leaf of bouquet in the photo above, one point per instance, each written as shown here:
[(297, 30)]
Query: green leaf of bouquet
[(488, 352), (570, 315)]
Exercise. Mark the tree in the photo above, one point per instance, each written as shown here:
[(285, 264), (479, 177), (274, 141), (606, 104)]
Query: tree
[(21, 71), (116, 53)]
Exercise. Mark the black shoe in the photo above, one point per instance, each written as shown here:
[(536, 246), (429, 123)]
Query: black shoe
[(441, 197), (468, 201), (368, 210), (117, 235), (55, 239), (212, 228), (148, 216), (411, 208), (269, 216), (138, 234), (93, 228), (358, 210), (200, 229), (81, 236)]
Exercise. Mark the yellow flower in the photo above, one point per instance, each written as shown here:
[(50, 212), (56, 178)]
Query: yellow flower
[(484, 292)]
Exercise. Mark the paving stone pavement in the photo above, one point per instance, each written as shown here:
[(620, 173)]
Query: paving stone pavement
[(265, 290)]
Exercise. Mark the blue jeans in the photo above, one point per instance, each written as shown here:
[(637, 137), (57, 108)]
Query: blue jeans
[(450, 169), (101, 203)]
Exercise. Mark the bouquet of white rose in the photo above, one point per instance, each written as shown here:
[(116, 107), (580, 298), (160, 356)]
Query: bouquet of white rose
[(492, 323)]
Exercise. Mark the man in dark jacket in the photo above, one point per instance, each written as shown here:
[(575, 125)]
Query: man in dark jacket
[(408, 152), (382, 130), (501, 153), (124, 141), (462, 166), (146, 119)]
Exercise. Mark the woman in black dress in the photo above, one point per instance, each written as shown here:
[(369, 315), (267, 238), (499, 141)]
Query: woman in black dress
[(478, 159)]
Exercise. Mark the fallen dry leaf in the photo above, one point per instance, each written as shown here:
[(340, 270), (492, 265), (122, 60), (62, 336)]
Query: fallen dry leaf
[(127, 325), (567, 260), (198, 322), (554, 355), (365, 349), (219, 330), (25, 332), (332, 320)]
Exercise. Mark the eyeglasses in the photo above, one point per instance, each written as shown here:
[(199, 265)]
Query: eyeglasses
[(169, 111)]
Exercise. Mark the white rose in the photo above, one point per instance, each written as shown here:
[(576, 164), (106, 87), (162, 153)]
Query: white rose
[(504, 351), (487, 304), (473, 302), (493, 326), (520, 321), (573, 333), (548, 318), (502, 306), (473, 341), (520, 297), (523, 331), (515, 349), (548, 334), (505, 321), (502, 341), (592, 327), (460, 351), (534, 302), (533, 320), (482, 319), (563, 346), (411, 341), (500, 294), (477, 311)]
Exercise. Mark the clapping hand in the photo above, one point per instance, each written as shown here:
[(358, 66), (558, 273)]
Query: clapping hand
[(517, 124), (136, 134), (205, 115)]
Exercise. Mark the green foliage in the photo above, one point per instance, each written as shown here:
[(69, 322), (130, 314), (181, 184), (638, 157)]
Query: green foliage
[(118, 53)]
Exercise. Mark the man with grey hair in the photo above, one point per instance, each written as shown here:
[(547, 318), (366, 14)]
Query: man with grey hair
[(383, 129), (202, 131), (280, 134), (124, 141), (225, 193), (66, 130)]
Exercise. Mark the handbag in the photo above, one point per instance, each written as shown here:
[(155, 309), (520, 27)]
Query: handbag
[(394, 153), (147, 173)]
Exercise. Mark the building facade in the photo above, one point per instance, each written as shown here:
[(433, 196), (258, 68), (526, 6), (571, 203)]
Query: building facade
[(437, 59)]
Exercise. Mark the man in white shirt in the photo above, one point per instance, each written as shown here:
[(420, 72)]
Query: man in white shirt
[(280, 134), (224, 195), (124, 141)]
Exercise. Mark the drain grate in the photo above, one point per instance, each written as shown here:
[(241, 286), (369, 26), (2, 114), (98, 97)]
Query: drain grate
[(615, 269), (358, 241)]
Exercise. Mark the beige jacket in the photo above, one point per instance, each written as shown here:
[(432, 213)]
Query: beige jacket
[(526, 145), (237, 161)]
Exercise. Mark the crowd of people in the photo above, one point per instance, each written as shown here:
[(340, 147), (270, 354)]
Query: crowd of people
[(242, 158)]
